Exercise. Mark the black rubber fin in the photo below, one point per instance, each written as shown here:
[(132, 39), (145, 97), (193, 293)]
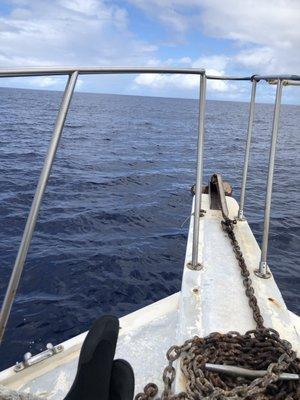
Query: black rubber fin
[(92, 381), (121, 381)]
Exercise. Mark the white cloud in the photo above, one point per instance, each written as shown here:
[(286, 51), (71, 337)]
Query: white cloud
[(160, 81), (46, 81), (188, 82), (87, 7), (266, 32), (260, 57), (50, 81), (215, 65), (184, 82), (261, 22), (217, 62), (176, 14), (69, 32), (263, 36)]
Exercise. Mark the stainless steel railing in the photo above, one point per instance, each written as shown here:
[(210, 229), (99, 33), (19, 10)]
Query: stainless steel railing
[(36, 203), (263, 268), (195, 263), (247, 151), (73, 73), (44, 71)]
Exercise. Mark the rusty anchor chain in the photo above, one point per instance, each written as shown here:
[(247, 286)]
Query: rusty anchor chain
[(261, 348)]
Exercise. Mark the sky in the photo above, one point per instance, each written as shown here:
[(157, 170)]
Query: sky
[(230, 37)]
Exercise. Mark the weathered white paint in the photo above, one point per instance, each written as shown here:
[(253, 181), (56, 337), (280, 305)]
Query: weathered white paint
[(213, 299)]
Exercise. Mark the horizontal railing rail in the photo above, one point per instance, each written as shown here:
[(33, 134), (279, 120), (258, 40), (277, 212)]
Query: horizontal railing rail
[(228, 78), (72, 73), (48, 71), (44, 71), (276, 77)]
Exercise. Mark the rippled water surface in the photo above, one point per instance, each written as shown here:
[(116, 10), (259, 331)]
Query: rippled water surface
[(109, 236)]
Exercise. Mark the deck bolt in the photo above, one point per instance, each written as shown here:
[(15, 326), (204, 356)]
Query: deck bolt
[(196, 267)]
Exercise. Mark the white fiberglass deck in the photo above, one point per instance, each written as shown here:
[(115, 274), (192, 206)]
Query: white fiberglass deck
[(210, 300)]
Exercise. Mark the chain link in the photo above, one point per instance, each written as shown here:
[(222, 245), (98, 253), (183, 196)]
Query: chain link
[(260, 348), (228, 227)]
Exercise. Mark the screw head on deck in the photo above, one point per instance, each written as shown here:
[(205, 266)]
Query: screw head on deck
[(263, 271), (265, 275), (18, 366), (240, 216), (196, 267)]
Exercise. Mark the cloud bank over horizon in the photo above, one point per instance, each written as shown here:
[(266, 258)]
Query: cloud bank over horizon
[(226, 38)]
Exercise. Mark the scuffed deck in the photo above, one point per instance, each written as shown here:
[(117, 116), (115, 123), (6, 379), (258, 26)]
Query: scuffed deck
[(213, 299)]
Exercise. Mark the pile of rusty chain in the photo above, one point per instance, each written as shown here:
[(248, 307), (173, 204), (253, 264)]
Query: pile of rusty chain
[(261, 348)]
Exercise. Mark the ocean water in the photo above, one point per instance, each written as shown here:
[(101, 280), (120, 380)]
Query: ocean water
[(109, 236)]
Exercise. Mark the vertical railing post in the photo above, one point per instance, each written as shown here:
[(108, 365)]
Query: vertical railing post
[(247, 151), (263, 271), (36, 203), (195, 264)]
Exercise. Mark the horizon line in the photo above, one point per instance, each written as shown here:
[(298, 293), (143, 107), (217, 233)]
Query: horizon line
[(140, 95)]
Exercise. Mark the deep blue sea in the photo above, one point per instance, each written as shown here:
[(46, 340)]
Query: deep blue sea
[(109, 236)]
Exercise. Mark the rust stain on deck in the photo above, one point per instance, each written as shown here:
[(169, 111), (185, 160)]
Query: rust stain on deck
[(275, 302)]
